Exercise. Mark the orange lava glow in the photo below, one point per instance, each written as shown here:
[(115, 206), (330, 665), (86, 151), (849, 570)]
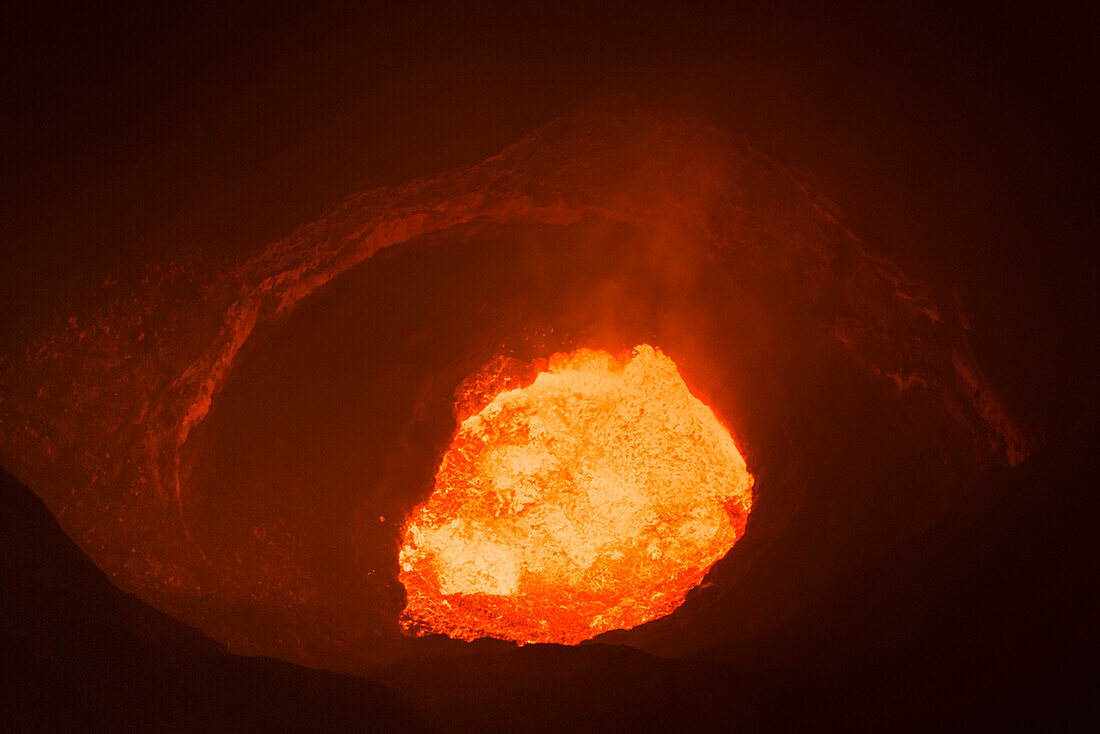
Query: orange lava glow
[(593, 499)]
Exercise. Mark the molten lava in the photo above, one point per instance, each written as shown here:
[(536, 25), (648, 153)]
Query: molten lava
[(593, 499)]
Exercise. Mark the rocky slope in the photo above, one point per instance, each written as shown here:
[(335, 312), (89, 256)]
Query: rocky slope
[(80, 655)]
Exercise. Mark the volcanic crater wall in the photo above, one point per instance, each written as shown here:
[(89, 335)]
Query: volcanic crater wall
[(639, 226)]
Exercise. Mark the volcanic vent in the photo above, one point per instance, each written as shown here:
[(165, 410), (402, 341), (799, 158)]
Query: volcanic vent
[(592, 499)]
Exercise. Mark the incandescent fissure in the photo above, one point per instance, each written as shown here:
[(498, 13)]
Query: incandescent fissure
[(592, 499)]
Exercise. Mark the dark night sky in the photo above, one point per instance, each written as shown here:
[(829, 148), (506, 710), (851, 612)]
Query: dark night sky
[(960, 142)]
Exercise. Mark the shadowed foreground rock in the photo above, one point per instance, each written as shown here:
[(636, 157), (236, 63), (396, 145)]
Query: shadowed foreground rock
[(80, 655)]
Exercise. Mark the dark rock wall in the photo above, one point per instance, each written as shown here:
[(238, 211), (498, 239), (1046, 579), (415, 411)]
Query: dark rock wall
[(80, 655)]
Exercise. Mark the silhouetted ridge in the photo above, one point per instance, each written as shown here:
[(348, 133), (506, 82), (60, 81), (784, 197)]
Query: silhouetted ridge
[(80, 655)]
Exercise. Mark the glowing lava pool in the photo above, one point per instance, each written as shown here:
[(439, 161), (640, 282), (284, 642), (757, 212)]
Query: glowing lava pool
[(590, 500)]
